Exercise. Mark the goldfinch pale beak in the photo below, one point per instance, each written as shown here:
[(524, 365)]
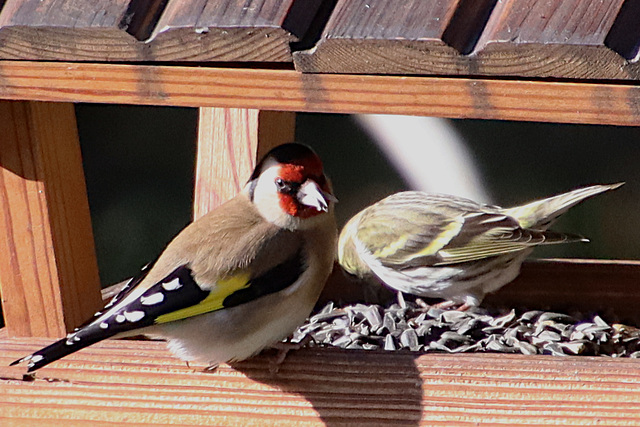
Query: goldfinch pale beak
[(311, 195)]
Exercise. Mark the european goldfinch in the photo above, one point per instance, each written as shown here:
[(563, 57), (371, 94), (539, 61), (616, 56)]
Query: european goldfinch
[(235, 281), (441, 246)]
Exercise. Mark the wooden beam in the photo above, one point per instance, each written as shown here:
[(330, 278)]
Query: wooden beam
[(153, 30), (136, 383), (230, 142), (48, 269), (287, 90)]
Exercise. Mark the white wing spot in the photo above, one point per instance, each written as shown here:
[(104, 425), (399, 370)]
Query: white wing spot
[(70, 339), (134, 316), (152, 299), (120, 318), (104, 325), (36, 358), (172, 285)]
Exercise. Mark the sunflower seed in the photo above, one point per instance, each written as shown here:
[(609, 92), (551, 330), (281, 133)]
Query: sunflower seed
[(389, 343), (408, 325), (373, 317), (409, 339)]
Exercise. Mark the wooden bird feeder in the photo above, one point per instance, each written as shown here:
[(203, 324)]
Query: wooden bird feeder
[(248, 66)]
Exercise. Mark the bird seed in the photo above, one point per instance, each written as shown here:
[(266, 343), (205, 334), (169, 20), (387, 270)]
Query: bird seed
[(409, 326)]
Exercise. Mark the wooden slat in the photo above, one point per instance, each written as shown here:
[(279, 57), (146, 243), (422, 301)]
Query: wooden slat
[(539, 38), (378, 36), (138, 383), (231, 30), (78, 30), (565, 285), (48, 270), (154, 30), (230, 141), (585, 39), (287, 90)]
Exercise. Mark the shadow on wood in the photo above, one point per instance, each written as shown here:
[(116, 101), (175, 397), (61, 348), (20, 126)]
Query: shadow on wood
[(349, 387)]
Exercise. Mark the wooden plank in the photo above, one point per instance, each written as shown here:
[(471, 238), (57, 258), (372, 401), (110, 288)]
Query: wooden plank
[(136, 383), (48, 270), (567, 285), (230, 141), (77, 30), (538, 38), (587, 39), (231, 30), (378, 36), (157, 30), (287, 90)]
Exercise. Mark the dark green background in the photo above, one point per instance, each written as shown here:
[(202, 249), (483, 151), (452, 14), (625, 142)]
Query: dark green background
[(139, 164)]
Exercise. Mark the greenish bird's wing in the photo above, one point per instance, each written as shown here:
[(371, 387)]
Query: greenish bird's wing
[(420, 229)]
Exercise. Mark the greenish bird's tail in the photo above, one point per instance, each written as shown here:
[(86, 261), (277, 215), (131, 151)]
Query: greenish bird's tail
[(539, 215)]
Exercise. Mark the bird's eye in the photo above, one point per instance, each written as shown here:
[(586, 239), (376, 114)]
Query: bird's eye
[(280, 184)]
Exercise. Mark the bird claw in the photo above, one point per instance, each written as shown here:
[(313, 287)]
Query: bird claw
[(284, 347), (422, 304), (211, 368), (452, 305)]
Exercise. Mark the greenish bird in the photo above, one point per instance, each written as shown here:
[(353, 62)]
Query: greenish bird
[(442, 246)]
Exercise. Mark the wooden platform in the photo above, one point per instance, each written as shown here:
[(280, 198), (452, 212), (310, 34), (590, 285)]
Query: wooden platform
[(138, 383), (246, 65)]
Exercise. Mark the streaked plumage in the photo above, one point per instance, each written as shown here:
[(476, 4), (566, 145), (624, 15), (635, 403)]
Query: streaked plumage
[(441, 246), (235, 281)]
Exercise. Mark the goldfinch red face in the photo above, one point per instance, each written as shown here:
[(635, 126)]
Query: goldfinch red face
[(291, 186)]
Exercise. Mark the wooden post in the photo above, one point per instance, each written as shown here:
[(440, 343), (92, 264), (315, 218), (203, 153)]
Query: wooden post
[(48, 270), (230, 141)]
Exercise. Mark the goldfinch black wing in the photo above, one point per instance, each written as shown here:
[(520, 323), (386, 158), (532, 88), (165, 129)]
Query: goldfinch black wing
[(176, 297)]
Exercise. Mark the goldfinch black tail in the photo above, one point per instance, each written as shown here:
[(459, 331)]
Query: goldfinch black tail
[(73, 342)]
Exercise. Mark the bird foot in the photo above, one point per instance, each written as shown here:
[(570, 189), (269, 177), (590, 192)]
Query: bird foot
[(210, 368), (452, 305), (284, 347), (422, 304)]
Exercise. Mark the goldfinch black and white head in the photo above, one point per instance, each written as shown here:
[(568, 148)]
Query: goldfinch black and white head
[(441, 246), (235, 281), (290, 189)]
